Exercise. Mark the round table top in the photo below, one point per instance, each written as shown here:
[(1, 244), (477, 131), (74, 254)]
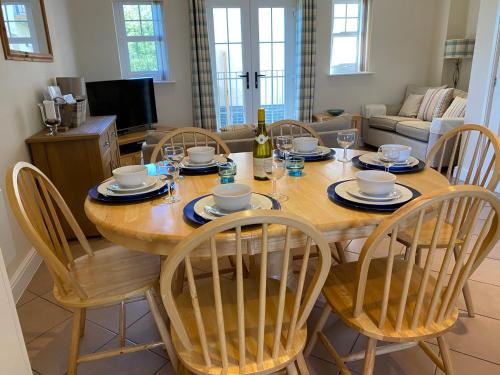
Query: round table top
[(154, 228)]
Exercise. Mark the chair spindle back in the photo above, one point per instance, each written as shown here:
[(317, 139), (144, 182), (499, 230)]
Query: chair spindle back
[(293, 128), (39, 208), (190, 137), (434, 299), (264, 342), (450, 151)]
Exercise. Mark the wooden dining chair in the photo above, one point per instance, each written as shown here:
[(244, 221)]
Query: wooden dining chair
[(483, 169), (190, 137), (390, 298), (244, 325), (294, 128), (106, 277)]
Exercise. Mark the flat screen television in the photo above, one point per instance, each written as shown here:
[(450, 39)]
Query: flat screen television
[(131, 100)]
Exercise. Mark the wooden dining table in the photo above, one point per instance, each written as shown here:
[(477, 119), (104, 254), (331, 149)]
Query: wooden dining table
[(156, 228)]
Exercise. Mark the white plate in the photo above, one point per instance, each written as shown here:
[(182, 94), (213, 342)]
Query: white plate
[(103, 189), (372, 158), (395, 194), (259, 200), (343, 190), (186, 163), (319, 151), (150, 181)]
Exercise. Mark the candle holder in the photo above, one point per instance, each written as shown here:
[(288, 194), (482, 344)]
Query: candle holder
[(52, 124)]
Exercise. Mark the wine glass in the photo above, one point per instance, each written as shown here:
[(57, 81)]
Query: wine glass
[(284, 143), (388, 156), (275, 169), (166, 172), (345, 139), (174, 154)]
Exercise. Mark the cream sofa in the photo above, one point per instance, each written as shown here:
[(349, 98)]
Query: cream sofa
[(239, 138), (381, 124)]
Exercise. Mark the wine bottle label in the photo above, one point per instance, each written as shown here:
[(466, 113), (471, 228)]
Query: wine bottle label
[(258, 167), (261, 139)]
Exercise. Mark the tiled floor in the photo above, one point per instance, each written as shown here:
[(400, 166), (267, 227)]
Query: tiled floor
[(46, 328)]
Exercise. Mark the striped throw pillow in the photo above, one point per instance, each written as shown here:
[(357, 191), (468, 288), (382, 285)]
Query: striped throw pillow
[(456, 108), (443, 103), (434, 103)]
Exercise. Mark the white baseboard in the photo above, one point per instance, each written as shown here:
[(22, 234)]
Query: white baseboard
[(24, 273)]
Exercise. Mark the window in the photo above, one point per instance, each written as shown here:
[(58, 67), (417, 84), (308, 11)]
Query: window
[(348, 45), (141, 39), (19, 26)]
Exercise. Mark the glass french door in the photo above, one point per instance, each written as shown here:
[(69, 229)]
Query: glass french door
[(252, 50)]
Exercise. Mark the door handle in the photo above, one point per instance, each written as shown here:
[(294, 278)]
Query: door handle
[(257, 76), (247, 76)]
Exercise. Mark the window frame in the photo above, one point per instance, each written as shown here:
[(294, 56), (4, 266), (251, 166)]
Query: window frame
[(159, 37), (361, 64)]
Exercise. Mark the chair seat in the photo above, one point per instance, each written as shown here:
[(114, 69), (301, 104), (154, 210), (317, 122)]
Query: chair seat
[(193, 359), (339, 290), (111, 275), (405, 236)]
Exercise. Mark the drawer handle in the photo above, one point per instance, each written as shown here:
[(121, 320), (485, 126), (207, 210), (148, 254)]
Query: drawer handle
[(113, 133), (107, 144)]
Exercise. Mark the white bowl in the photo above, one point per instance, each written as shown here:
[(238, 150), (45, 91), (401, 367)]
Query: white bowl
[(201, 154), (131, 175), (404, 151), (375, 182), (232, 197), (305, 144)]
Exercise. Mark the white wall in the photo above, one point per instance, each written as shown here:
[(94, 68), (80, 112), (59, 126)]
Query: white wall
[(462, 23), (400, 54), (21, 86), (402, 35), (482, 63), (482, 72), (97, 54)]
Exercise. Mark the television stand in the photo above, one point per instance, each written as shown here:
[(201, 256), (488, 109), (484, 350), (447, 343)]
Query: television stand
[(130, 147)]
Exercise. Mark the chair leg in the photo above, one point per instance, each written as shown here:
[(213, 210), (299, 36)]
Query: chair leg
[(302, 365), (317, 328), (75, 342), (162, 328), (82, 321), (291, 369), (466, 292), (370, 357), (341, 251), (122, 325), (445, 355)]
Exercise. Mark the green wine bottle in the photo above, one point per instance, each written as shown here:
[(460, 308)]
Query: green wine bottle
[(261, 147)]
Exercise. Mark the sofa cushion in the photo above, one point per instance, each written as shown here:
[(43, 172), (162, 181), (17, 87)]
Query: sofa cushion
[(456, 108), (232, 132), (411, 105), (434, 103), (154, 136), (385, 122), (414, 129), (419, 90)]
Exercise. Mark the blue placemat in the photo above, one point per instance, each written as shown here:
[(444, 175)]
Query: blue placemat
[(94, 194), (192, 217), (334, 197), (394, 169), (308, 158)]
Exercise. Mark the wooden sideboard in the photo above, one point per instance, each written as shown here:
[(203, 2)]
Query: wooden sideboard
[(76, 160)]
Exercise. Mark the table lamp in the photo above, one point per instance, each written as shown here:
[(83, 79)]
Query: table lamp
[(458, 49)]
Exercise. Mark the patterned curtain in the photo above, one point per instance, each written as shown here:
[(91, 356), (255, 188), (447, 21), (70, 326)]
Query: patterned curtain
[(201, 75), (306, 58)]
